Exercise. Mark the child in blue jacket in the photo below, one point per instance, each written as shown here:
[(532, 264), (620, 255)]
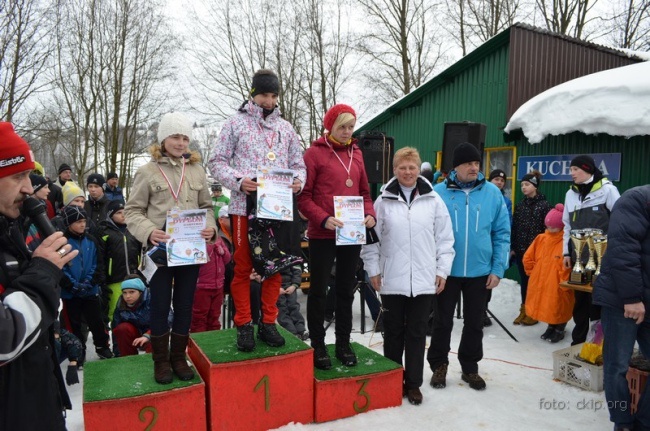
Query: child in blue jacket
[(81, 285), (132, 318)]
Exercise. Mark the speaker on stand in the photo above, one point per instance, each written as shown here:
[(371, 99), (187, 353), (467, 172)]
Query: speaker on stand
[(457, 133), (377, 150)]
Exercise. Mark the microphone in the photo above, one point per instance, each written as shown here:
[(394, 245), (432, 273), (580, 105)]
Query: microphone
[(37, 213)]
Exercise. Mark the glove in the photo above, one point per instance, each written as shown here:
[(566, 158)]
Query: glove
[(71, 376), (85, 288)]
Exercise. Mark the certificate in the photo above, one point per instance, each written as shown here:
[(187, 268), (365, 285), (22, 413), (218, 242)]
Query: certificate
[(186, 246), (274, 194), (349, 209)]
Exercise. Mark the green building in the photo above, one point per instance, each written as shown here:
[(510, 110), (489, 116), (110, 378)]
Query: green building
[(489, 84)]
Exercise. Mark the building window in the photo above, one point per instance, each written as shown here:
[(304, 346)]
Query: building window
[(502, 158)]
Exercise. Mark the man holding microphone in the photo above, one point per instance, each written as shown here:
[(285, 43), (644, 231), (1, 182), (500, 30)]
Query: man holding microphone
[(29, 301)]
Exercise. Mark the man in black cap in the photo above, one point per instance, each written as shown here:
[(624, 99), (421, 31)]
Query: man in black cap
[(112, 191), (64, 174), (482, 244), (587, 204)]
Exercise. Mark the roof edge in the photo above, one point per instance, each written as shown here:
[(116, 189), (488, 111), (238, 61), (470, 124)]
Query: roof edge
[(482, 51)]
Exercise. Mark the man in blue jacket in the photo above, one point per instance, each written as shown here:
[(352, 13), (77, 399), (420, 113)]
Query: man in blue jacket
[(482, 244), (623, 291)]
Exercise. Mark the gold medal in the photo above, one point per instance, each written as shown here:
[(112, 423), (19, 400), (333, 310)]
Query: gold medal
[(271, 156), (349, 182)]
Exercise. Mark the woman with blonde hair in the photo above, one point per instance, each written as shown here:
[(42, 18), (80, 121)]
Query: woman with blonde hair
[(334, 168), (410, 263)]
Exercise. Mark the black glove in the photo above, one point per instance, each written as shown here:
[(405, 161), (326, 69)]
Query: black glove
[(71, 376)]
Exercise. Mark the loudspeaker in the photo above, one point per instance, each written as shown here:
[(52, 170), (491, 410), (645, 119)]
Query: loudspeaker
[(377, 150), (457, 133)]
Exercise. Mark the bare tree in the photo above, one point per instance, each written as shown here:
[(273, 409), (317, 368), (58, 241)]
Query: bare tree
[(569, 17), (23, 53), (235, 38), (492, 16), (403, 45), (110, 56), (230, 42), (327, 47), (629, 21), (134, 64), (455, 21)]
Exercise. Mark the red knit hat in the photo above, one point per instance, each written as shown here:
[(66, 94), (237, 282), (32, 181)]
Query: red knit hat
[(333, 113), (15, 154), (554, 217)]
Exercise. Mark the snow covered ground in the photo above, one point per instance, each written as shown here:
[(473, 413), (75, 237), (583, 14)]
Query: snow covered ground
[(520, 394)]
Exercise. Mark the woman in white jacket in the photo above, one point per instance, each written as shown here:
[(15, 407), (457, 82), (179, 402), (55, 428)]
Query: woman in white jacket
[(410, 263)]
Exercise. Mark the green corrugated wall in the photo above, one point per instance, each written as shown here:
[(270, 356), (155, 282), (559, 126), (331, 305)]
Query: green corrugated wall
[(478, 94), (635, 158)]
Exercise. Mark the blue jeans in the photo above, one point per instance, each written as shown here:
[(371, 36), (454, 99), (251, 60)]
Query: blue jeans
[(620, 334)]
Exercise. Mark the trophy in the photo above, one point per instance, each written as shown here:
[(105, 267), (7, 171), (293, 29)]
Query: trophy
[(600, 245), (590, 267), (579, 238)]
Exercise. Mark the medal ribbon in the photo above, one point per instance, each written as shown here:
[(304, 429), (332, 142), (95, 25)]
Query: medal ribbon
[(268, 144), (180, 184), (350, 150)]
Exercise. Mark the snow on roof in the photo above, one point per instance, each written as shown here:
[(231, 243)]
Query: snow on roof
[(614, 101)]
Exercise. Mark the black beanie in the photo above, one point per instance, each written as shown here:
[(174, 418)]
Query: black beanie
[(73, 213), (497, 173), (585, 162), (111, 175), (465, 153), (113, 207), (38, 182), (265, 81), (64, 167), (531, 179), (95, 179)]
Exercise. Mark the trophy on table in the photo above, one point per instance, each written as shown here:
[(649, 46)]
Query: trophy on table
[(600, 245), (591, 267), (579, 238)]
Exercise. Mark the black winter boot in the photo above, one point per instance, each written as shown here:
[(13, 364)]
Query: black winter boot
[(558, 333), (322, 359), (162, 370), (177, 357), (246, 337), (345, 354), (268, 333)]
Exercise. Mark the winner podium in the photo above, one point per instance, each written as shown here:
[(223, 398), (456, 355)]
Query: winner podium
[(259, 390), (121, 394), (271, 387), (340, 392)]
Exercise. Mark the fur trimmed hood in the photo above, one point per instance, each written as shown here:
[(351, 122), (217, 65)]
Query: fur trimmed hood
[(157, 153)]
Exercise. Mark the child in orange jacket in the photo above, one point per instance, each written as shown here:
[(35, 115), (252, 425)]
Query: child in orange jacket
[(546, 300)]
